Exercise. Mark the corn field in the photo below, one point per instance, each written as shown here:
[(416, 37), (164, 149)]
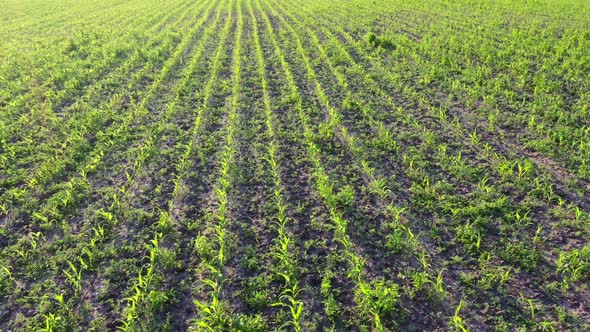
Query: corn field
[(294, 165)]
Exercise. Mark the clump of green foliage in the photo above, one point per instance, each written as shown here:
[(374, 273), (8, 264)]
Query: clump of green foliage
[(379, 41)]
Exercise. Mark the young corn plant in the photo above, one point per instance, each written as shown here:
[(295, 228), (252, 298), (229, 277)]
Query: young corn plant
[(574, 265), (74, 276), (212, 312), (53, 323), (527, 301), (456, 322), (288, 299), (142, 288)]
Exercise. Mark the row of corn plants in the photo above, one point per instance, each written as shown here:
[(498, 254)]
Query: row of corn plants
[(211, 309), (286, 266)]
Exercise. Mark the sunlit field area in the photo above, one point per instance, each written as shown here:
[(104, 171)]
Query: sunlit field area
[(294, 165)]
